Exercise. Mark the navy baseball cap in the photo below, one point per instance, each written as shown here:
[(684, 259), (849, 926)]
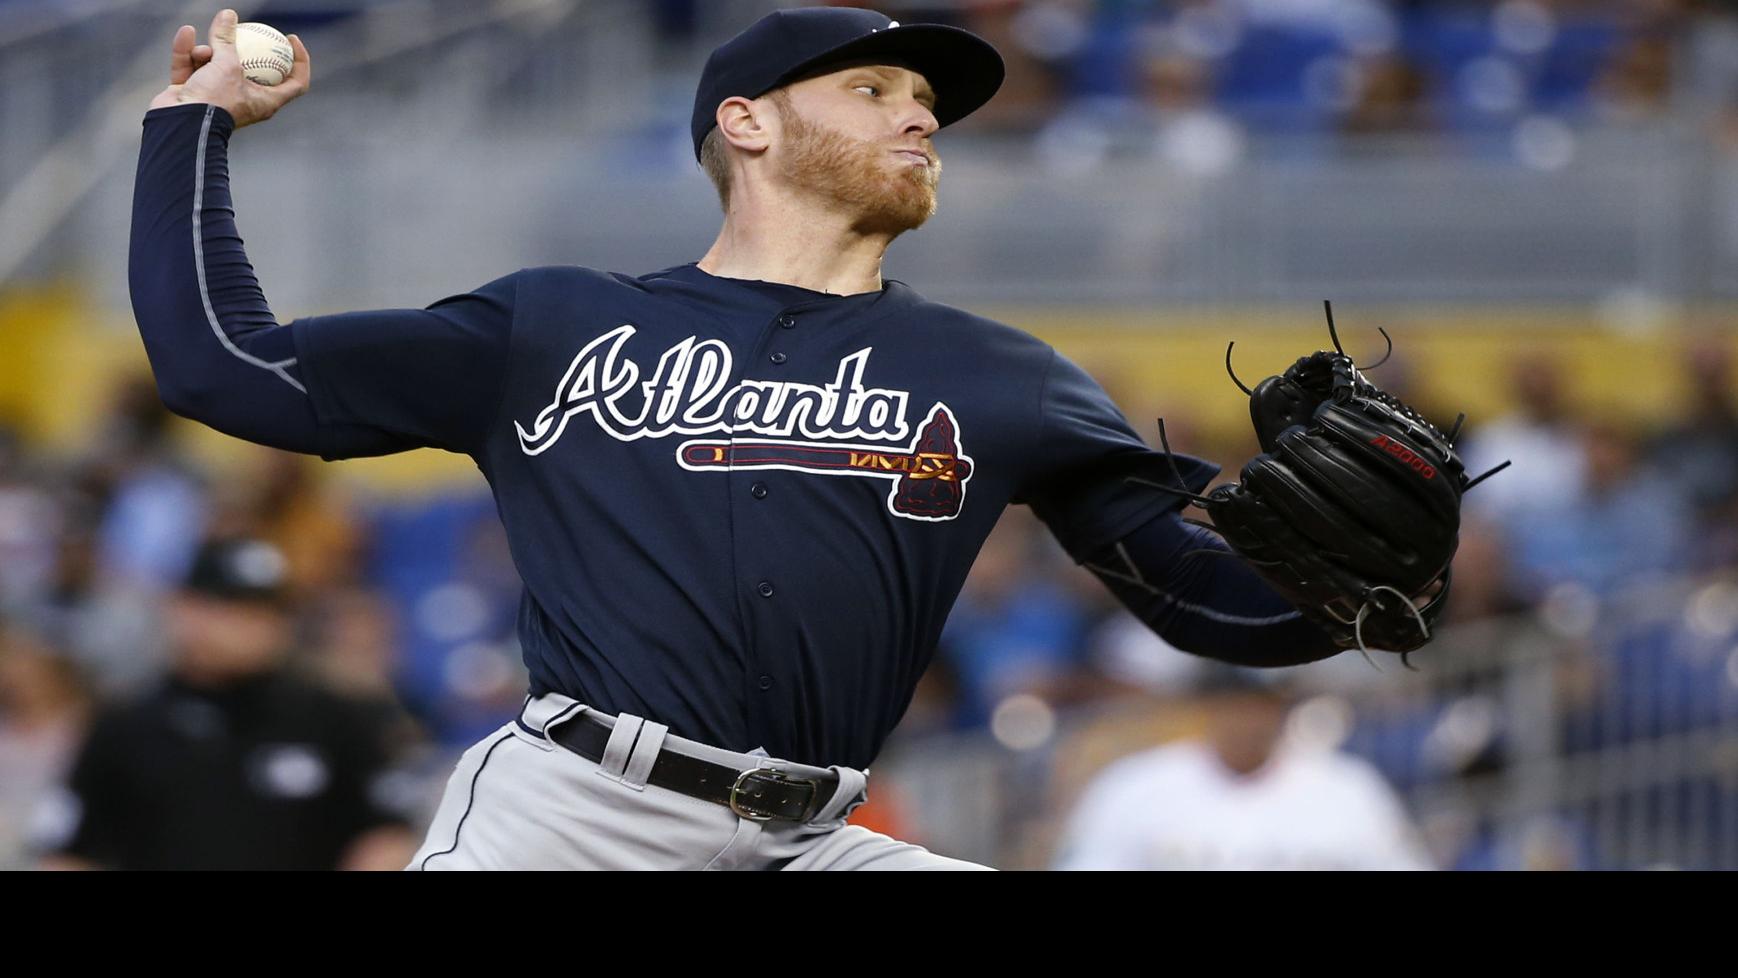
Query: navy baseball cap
[(244, 570), (787, 45)]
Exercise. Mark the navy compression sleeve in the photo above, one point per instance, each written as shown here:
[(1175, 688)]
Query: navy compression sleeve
[(1210, 604), (213, 343), (220, 357)]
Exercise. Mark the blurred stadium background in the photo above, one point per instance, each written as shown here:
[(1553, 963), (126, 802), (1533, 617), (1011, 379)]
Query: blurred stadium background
[(1538, 199)]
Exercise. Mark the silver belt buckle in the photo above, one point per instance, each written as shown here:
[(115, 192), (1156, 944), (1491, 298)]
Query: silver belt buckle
[(739, 806)]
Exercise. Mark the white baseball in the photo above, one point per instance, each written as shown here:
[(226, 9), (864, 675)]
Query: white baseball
[(266, 56)]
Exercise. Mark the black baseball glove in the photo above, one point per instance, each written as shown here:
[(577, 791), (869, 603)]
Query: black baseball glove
[(1352, 510)]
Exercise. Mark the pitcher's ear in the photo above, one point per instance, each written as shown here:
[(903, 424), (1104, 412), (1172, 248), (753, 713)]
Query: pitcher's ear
[(747, 124)]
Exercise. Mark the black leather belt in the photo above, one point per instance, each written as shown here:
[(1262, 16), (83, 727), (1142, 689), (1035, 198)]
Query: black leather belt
[(760, 794)]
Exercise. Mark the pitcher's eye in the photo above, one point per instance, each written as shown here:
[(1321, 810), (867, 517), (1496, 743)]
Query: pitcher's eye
[(871, 89)]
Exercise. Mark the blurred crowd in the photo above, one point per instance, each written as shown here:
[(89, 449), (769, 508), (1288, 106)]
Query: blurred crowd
[(1193, 83), (1356, 66), (107, 601)]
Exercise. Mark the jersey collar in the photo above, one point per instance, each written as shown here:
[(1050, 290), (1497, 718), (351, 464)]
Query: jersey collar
[(893, 293)]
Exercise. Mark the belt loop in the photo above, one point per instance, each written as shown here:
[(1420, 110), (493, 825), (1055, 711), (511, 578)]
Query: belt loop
[(645, 753), (620, 746), (853, 790), (541, 712)]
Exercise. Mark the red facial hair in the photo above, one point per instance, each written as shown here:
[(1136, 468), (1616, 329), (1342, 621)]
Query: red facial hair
[(887, 192)]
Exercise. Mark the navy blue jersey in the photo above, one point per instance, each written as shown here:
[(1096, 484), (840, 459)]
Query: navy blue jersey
[(741, 509), (750, 501)]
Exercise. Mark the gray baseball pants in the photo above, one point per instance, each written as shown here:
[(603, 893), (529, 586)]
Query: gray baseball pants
[(519, 801)]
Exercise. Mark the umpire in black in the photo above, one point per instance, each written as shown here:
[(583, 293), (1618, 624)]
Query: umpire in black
[(236, 761)]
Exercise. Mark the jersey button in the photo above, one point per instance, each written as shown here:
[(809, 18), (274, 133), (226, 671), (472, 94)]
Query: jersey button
[(788, 322), (765, 589), (758, 490), (765, 683), (778, 358)]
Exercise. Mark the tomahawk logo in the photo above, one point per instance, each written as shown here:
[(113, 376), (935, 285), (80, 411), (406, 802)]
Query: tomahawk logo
[(929, 477), (802, 425)]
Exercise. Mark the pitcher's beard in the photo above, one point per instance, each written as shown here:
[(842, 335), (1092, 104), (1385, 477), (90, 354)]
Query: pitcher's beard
[(856, 175)]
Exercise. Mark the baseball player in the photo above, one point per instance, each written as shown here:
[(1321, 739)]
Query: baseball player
[(742, 492), (1242, 795)]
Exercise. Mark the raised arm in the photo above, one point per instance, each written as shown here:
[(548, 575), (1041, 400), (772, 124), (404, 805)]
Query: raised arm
[(338, 386)]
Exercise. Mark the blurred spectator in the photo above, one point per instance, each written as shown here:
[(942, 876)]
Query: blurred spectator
[(1622, 524), (1390, 94), (282, 501), (1037, 38), (1484, 582), (43, 707), (237, 762), (1539, 437), (1636, 83), (354, 643), (1175, 79), (110, 628), (1016, 628), (153, 503), (1701, 450), (1126, 649), (1192, 134), (29, 526), (1708, 63), (1240, 797), (447, 569)]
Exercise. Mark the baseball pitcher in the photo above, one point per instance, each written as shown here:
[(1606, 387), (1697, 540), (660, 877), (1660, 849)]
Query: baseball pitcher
[(744, 492)]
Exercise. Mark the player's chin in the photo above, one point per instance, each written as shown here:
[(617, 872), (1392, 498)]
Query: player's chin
[(898, 213), (909, 199)]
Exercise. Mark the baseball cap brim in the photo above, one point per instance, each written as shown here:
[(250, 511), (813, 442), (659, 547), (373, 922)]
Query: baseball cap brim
[(962, 68)]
